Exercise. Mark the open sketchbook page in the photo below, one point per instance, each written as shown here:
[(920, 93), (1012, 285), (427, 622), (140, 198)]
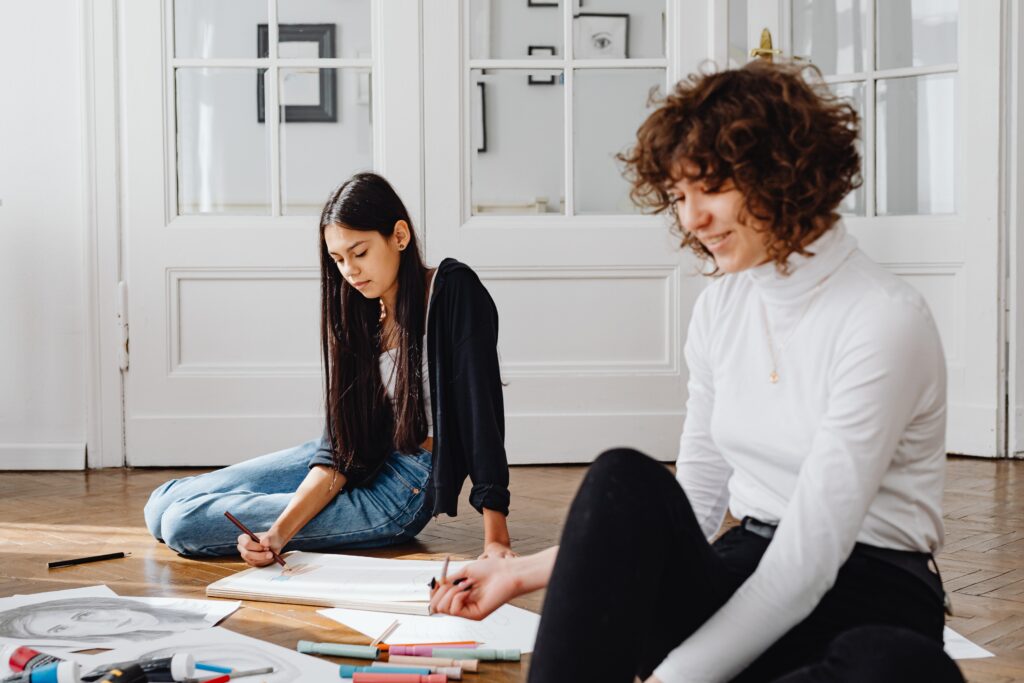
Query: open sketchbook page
[(222, 647), (97, 617), (507, 627), (337, 580)]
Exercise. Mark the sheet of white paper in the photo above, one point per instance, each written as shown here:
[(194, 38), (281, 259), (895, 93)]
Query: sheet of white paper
[(97, 617), (507, 627), (341, 578), (222, 647), (959, 647)]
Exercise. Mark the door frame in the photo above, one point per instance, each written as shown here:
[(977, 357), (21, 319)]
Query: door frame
[(101, 184), (1013, 223)]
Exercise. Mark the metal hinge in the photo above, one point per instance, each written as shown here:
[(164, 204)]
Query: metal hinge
[(122, 325)]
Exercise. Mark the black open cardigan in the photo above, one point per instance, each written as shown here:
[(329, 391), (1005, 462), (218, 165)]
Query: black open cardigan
[(466, 397)]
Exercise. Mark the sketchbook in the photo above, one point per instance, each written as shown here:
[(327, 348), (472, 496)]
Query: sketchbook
[(366, 583)]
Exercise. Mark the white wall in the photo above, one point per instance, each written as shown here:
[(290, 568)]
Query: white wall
[(43, 370)]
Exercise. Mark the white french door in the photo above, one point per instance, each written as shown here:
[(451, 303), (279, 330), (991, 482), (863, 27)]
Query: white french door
[(525, 105), (239, 120), (924, 75)]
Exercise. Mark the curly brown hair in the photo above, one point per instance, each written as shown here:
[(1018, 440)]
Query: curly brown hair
[(784, 141)]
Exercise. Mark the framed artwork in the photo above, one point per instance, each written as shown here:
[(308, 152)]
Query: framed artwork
[(306, 94), (545, 51), (601, 36)]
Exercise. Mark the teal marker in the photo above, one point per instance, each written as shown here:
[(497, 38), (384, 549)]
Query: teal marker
[(338, 650), (346, 670), (509, 655)]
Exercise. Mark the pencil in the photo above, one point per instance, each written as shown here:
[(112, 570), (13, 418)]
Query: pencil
[(245, 530), (83, 560), (456, 643)]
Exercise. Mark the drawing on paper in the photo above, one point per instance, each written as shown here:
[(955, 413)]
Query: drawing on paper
[(296, 570), (88, 619)]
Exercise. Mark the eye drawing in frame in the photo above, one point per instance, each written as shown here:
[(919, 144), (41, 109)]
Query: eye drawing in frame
[(600, 36)]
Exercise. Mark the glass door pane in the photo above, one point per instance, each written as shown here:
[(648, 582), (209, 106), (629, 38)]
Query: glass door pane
[(222, 149), (517, 161), (608, 107)]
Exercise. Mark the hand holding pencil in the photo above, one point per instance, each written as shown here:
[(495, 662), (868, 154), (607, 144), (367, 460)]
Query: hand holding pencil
[(477, 589), (258, 550)]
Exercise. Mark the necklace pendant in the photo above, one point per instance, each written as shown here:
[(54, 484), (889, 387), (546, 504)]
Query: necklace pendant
[(774, 377)]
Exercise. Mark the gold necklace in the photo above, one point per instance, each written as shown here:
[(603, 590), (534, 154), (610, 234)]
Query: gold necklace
[(773, 376)]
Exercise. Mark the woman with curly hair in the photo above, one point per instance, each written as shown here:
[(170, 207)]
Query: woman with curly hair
[(816, 415)]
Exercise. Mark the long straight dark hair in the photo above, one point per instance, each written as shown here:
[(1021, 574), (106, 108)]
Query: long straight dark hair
[(361, 422)]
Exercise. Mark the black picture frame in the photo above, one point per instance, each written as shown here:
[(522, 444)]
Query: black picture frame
[(483, 117), (553, 52), (581, 17), (323, 35), (534, 3)]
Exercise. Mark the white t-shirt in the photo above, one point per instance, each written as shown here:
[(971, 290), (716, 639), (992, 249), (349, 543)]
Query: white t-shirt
[(387, 368), (847, 446)]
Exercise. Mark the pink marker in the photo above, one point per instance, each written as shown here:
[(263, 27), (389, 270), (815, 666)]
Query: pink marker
[(361, 677), (422, 650)]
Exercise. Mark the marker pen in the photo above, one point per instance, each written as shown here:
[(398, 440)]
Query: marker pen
[(57, 672)]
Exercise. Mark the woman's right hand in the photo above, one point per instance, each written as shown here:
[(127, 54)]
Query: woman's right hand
[(258, 554), (483, 586)]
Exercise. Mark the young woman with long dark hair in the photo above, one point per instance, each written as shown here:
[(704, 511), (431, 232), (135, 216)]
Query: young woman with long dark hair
[(816, 415), (413, 406)]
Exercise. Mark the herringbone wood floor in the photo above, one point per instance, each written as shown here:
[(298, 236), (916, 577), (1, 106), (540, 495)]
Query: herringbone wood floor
[(54, 515)]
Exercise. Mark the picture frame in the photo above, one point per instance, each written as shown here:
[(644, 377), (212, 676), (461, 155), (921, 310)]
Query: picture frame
[(600, 36), (548, 51), (480, 139), (324, 83)]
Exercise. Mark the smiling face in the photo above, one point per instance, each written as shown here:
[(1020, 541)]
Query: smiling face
[(367, 259), (714, 216)]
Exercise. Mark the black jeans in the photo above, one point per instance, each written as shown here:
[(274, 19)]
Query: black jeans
[(635, 577)]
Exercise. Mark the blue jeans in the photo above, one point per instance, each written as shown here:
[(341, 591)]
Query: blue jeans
[(188, 514)]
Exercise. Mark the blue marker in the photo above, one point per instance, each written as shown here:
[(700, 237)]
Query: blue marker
[(213, 667), (347, 670), (57, 672)]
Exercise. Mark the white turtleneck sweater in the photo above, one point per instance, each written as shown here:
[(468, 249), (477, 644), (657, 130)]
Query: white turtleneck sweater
[(847, 446)]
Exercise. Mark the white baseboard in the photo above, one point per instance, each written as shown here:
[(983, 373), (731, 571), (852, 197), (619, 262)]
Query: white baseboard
[(42, 456)]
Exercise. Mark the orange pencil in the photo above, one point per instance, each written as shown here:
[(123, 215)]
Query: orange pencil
[(455, 643)]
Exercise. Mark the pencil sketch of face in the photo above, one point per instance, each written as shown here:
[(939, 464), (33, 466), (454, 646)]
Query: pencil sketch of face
[(237, 656), (94, 618)]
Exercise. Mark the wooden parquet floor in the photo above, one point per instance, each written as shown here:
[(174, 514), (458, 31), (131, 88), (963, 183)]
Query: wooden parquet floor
[(54, 515)]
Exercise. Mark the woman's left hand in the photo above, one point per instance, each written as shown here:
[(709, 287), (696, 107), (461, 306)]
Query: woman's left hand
[(496, 550)]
